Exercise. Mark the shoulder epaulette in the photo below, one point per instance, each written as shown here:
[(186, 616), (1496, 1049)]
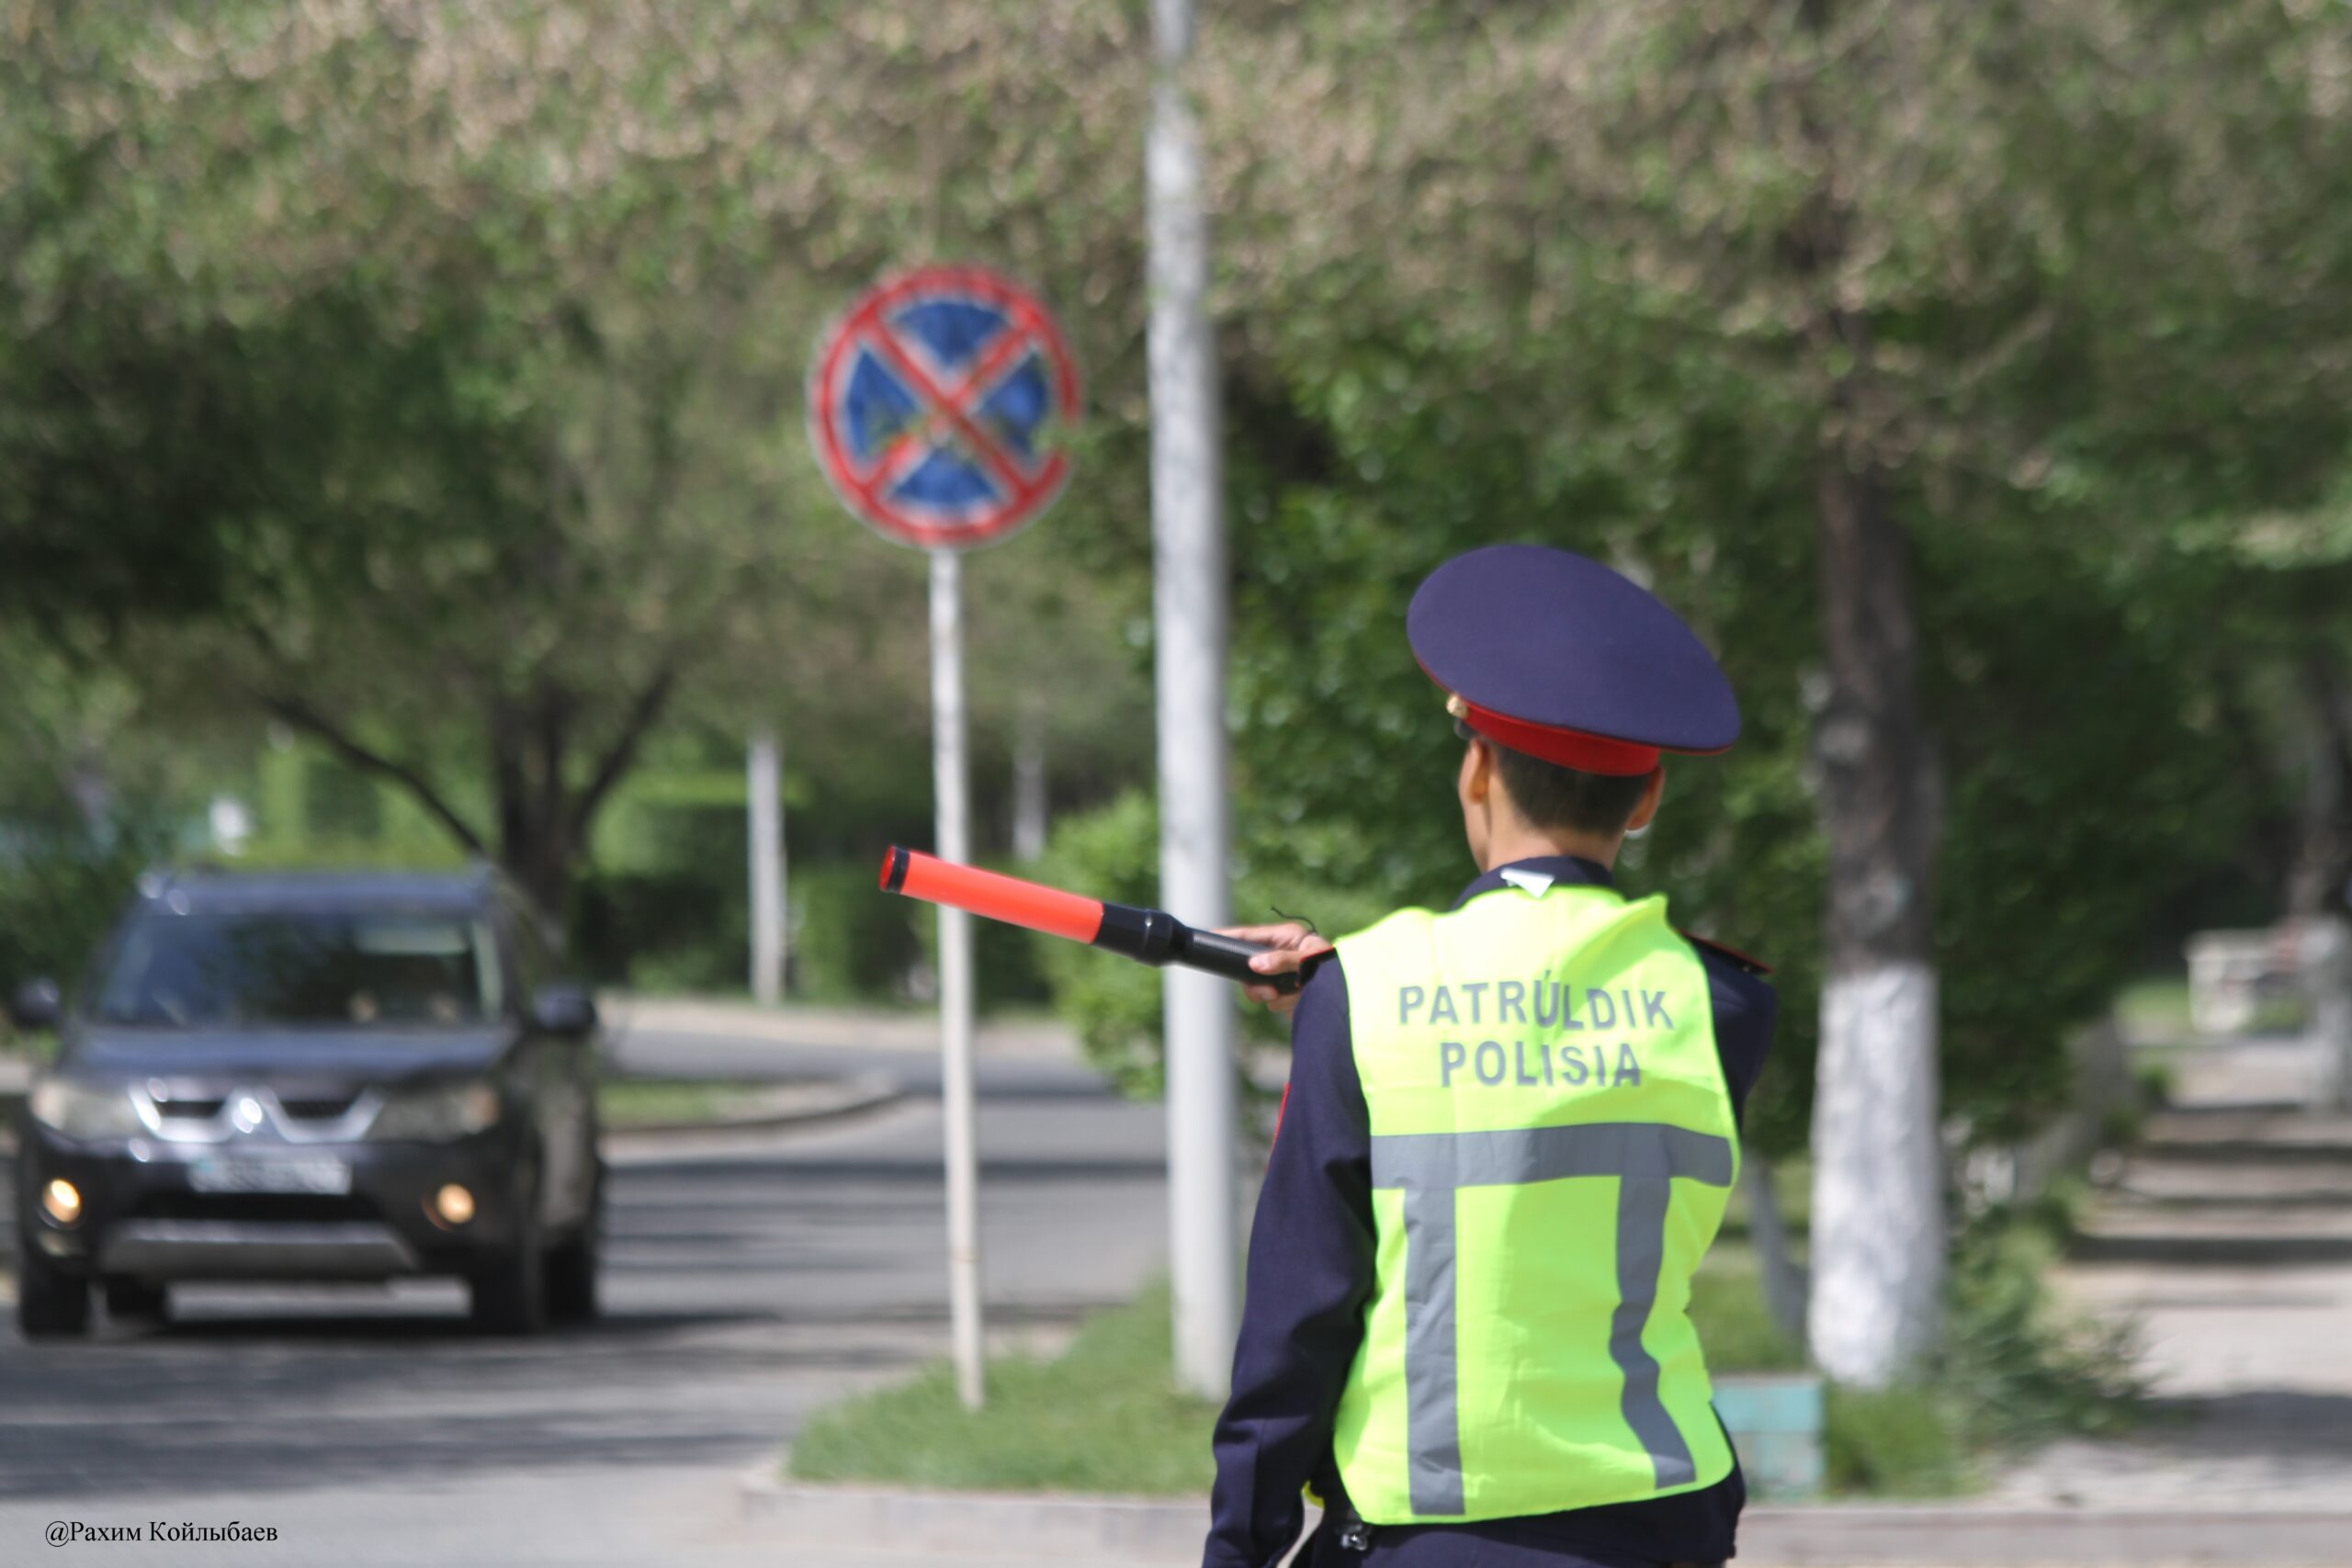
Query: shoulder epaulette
[(1748, 963)]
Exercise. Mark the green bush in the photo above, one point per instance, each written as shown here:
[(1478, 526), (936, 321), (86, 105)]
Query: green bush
[(1112, 852), (1894, 1442), (658, 930), (2025, 1369), (851, 943)]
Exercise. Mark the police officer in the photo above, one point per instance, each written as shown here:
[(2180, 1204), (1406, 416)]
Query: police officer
[(1509, 1136)]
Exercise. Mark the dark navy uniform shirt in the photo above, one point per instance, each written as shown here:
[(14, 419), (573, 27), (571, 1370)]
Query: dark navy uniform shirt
[(1311, 1253)]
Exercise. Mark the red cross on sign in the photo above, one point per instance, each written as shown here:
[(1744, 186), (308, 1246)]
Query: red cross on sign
[(938, 403)]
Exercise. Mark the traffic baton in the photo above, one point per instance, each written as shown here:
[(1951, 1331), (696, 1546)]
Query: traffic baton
[(1154, 936)]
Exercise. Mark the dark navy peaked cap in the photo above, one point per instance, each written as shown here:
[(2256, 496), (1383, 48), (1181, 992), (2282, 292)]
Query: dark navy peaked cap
[(1557, 656)]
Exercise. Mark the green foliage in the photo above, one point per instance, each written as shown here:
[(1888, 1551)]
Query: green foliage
[(60, 887), (1893, 1442), (1112, 852), (1101, 1418), (1636, 368), (486, 495), (2023, 1368), (1735, 1326), (2081, 800), (853, 942), (660, 930), (85, 806)]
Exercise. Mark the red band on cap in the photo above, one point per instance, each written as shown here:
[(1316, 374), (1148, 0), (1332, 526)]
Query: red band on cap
[(1569, 747)]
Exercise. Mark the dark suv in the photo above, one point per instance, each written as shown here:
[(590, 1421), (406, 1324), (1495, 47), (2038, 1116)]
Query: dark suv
[(313, 1077)]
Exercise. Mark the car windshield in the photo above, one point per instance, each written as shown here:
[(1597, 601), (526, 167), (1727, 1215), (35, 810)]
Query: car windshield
[(397, 969)]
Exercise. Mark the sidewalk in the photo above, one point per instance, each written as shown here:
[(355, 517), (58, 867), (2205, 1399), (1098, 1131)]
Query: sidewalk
[(2229, 1239)]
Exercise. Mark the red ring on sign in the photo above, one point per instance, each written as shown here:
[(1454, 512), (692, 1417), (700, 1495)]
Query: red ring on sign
[(1027, 489)]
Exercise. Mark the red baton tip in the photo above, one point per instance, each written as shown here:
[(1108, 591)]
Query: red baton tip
[(993, 894)]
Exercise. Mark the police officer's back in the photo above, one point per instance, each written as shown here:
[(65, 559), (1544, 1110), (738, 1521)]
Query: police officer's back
[(1510, 1136)]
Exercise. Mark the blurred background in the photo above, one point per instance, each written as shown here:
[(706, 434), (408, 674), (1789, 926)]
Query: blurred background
[(402, 465)]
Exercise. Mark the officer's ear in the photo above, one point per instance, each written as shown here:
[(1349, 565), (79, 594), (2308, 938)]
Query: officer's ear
[(1645, 808), (1478, 775)]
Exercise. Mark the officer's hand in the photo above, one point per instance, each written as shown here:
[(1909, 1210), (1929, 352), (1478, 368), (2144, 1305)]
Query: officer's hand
[(1292, 945)]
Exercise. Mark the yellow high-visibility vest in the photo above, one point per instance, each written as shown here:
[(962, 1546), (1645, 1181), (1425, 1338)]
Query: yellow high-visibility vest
[(1553, 1144)]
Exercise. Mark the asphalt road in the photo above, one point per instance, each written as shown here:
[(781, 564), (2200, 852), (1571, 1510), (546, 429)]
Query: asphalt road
[(746, 1282)]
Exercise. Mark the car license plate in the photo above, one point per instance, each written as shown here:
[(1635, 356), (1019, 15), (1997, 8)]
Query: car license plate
[(331, 1177)]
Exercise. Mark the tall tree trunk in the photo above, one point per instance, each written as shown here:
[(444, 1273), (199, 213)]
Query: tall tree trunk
[(2323, 855), (1878, 1227)]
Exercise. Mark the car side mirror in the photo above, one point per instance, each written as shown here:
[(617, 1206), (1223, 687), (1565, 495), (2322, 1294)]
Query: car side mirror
[(567, 1012), (37, 1004)]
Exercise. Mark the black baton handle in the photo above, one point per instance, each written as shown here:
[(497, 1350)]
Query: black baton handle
[(1156, 937), (1229, 956)]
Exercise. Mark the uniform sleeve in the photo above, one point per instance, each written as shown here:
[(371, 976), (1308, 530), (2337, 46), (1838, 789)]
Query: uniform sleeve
[(1745, 1006), (1310, 1273)]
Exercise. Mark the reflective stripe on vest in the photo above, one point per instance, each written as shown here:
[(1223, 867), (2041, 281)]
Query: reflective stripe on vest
[(1552, 1149)]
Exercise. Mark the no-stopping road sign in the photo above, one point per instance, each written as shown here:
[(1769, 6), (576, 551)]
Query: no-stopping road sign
[(935, 405)]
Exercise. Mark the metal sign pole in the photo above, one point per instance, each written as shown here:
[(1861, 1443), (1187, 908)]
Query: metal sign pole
[(1189, 621), (955, 976), (765, 804), (902, 386)]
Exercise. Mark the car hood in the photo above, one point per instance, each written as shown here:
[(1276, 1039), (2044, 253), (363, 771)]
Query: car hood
[(384, 1056)]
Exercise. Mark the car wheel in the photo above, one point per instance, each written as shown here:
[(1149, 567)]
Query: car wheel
[(572, 1267), (50, 1304), (509, 1296), (142, 1299)]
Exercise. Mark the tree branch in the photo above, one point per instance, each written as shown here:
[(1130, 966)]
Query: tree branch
[(303, 716), (621, 755)]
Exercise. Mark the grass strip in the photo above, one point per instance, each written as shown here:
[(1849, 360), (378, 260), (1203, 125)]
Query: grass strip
[(1102, 1417), (623, 1103)]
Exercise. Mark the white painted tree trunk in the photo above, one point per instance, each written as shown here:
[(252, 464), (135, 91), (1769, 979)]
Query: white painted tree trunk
[(1878, 1242), (2325, 950), (1878, 1231)]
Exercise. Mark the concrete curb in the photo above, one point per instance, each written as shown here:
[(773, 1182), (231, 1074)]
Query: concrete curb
[(1059, 1526)]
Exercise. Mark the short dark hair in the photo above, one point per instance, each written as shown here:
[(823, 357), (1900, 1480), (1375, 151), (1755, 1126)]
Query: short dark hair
[(1550, 795)]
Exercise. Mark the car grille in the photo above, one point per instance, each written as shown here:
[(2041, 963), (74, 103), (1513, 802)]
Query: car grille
[(292, 1207), (188, 1110), (316, 1109)]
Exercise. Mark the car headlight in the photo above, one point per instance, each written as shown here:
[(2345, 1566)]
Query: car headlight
[(437, 1115), (84, 1109)]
